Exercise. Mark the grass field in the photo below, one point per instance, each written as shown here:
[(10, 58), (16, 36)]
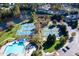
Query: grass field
[(10, 35)]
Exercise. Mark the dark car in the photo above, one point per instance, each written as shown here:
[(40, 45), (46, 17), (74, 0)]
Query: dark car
[(67, 48), (63, 50)]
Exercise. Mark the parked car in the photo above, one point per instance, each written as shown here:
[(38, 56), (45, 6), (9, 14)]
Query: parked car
[(63, 50), (67, 48)]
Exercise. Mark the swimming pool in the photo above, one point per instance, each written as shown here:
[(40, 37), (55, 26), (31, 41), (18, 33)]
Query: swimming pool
[(16, 48)]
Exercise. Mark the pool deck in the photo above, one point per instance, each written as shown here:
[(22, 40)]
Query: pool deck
[(3, 48)]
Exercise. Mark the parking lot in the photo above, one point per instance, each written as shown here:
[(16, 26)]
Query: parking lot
[(74, 47)]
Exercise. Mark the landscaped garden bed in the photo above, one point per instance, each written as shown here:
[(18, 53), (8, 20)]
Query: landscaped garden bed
[(55, 45), (52, 48)]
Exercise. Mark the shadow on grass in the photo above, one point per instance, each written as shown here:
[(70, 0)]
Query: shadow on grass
[(58, 46), (47, 45), (50, 41)]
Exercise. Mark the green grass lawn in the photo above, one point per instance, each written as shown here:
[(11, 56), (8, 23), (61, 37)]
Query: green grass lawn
[(51, 49), (10, 35)]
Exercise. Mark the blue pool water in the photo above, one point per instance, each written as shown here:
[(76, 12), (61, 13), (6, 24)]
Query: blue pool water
[(16, 48)]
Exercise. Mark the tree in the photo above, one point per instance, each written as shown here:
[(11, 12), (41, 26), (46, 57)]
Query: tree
[(74, 24), (24, 6), (51, 39), (62, 18), (37, 38), (6, 5), (34, 53), (62, 42), (34, 17), (16, 10), (56, 6), (54, 22), (47, 20), (5, 14), (62, 38), (64, 30), (10, 25), (34, 6), (56, 17)]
